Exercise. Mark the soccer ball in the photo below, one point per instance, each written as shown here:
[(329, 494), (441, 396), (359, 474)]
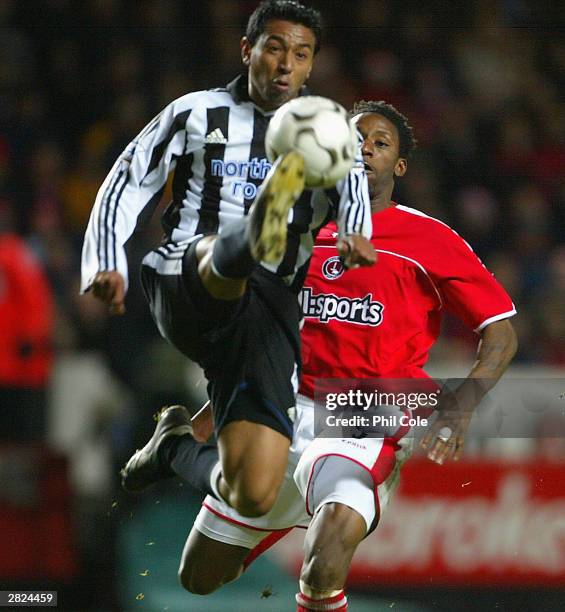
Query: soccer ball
[(321, 131)]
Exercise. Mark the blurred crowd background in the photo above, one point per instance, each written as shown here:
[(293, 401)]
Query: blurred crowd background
[(482, 83)]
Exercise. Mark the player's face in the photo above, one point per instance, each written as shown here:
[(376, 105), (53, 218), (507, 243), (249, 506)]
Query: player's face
[(279, 62), (380, 150)]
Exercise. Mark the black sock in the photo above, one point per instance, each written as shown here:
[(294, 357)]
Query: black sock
[(231, 256), (192, 461)]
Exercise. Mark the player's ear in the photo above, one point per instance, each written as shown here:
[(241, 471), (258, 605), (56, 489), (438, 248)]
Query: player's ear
[(401, 167), (245, 47)]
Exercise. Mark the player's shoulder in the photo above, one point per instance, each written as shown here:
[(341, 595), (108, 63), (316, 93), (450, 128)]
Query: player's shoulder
[(203, 98), (431, 229), (415, 216)]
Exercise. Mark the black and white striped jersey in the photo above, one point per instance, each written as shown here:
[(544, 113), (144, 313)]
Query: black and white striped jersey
[(213, 141)]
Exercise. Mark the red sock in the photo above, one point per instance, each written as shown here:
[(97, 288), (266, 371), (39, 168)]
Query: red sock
[(337, 603)]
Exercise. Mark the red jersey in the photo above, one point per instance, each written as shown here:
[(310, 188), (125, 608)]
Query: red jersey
[(380, 322)]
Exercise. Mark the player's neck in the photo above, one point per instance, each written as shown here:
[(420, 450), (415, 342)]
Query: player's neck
[(379, 206), (256, 98), (381, 200)]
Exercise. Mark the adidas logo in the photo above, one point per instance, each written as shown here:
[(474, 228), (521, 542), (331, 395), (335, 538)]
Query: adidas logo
[(215, 137)]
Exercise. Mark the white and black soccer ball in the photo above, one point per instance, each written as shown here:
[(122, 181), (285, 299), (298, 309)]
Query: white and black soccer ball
[(321, 131)]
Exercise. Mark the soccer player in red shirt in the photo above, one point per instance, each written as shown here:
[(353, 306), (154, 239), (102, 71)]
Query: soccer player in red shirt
[(381, 323), (377, 323)]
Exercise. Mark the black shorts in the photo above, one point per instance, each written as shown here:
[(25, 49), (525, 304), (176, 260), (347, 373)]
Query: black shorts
[(249, 348)]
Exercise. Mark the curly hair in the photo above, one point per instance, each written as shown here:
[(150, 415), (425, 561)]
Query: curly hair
[(407, 141)]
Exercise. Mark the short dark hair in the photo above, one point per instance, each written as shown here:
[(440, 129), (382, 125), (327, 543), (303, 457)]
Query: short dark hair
[(288, 10), (407, 141)]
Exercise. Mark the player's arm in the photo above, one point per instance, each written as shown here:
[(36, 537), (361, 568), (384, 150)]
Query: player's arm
[(353, 217), (470, 292), (129, 194), (497, 347)]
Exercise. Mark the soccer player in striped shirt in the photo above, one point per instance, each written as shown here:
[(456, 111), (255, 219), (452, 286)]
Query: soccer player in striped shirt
[(366, 324), (223, 285)]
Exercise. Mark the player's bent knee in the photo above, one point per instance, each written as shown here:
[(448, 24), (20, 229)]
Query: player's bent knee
[(251, 505), (253, 496), (194, 584), (218, 287), (203, 583), (204, 246), (254, 499)]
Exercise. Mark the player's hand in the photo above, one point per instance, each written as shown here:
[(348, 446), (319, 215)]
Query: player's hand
[(355, 251), (446, 436), (110, 287), (202, 423)]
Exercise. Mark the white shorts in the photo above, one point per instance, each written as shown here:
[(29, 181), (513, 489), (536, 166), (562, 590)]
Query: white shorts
[(361, 474)]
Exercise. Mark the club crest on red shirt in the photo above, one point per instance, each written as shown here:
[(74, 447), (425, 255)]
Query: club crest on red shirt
[(333, 268)]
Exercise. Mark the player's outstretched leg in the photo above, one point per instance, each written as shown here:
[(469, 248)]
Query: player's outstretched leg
[(239, 478), (227, 260), (268, 217)]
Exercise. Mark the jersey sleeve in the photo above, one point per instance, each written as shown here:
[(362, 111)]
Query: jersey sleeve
[(132, 190), (467, 288), (351, 201)]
